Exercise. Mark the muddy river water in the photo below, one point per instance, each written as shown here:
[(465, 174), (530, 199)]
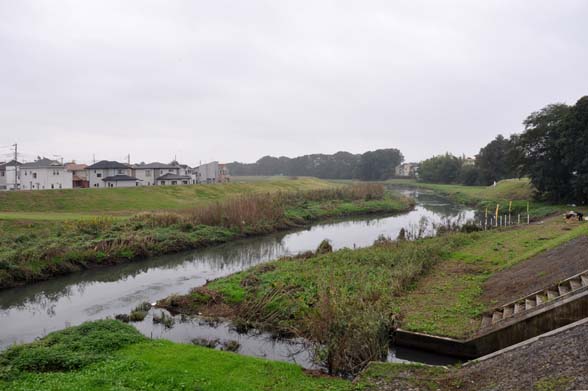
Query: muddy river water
[(33, 311)]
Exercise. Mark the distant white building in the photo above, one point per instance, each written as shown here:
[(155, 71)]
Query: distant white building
[(9, 175), (111, 174), (211, 173), (44, 174), (407, 170)]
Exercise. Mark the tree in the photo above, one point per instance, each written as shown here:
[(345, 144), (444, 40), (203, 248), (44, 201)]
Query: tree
[(544, 148), (440, 169), (379, 164), (495, 161)]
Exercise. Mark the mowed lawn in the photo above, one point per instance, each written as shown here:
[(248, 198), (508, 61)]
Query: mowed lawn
[(73, 204)]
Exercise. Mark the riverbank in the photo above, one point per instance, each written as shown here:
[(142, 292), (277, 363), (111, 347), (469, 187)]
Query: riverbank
[(37, 250), (519, 191), (348, 301), (111, 355)]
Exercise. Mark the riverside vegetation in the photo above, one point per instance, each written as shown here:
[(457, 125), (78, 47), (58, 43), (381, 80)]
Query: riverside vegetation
[(33, 250), (348, 302)]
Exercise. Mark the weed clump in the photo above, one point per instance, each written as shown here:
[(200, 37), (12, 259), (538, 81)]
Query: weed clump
[(324, 247)]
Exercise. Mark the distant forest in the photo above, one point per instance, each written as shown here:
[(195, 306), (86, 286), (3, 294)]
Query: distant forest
[(372, 165)]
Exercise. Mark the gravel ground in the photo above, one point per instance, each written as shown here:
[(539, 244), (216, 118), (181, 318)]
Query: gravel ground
[(552, 363)]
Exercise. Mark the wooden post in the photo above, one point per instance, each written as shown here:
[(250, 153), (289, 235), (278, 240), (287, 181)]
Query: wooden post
[(497, 209), (528, 217), (486, 219), (509, 211), (519, 221)]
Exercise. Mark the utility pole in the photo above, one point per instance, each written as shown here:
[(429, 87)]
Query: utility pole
[(93, 158), (15, 145), (129, 159)]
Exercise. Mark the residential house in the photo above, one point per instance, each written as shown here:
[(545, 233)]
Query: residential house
[(107, 173), (9, 175), (149, 173), (211, 173), (80, 176), (407, 170), (44, 174), (174, 179)]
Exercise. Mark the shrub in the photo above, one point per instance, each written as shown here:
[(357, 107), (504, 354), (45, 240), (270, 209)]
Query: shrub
[(72, 348)]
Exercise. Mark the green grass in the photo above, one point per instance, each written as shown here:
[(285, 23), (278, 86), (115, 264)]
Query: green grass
[(447, 301), (109, 355), (124, 201)]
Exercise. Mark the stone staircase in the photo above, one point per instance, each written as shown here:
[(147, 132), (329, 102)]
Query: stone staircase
[(534, 301)]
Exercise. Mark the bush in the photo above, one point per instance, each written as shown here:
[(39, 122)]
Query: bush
[(72, 348)]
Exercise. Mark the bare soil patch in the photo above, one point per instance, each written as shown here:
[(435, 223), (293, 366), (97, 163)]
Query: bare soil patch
[(537, 272)]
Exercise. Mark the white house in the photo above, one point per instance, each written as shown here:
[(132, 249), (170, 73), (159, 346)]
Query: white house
[(44, 174), (174, 179), (10, 175), (111, 174), (150, 172), (211, 173), (407, 170)]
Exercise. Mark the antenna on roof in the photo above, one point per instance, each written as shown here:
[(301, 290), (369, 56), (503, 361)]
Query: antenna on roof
[(93, 158)]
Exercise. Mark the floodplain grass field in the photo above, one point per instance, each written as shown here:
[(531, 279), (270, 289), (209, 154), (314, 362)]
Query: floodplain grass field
[(77, 203)]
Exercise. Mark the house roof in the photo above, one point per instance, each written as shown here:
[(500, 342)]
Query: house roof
[(75, 166), (105, 164), (120, 178), (10, 163), (173, 177), (154, 165), (42, 163)]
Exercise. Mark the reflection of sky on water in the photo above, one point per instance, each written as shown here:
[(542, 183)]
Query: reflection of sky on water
[(35, 310)]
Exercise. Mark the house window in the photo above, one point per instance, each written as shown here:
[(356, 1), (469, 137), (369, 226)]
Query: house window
[(185, 182), (174, 182), (120, 172), (147, 172), (162, 182), (34, 175), (98, 175), (52, 186)]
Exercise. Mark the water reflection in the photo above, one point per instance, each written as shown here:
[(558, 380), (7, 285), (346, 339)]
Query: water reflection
[(35, 310)]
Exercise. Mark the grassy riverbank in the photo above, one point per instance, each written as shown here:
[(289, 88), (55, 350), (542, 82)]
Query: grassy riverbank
[(36, 250), (109, 355), (519, 191), (76, 204), (347, 301)]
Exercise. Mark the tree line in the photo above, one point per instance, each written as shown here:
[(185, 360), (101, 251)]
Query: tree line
[(551, 151), (371, 165)]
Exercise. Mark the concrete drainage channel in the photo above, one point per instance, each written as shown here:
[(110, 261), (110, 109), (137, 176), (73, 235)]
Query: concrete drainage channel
[(538, 313)]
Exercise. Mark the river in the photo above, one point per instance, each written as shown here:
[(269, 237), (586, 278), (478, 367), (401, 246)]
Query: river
[(34, 310)]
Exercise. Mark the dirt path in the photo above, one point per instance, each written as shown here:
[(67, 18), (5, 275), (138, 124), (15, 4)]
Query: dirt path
[(537, 272)]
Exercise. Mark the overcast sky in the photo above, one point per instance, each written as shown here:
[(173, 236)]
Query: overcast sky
[(237, 80)]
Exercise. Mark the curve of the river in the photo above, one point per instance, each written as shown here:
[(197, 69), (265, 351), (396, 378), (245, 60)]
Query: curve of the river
[(33, 311)]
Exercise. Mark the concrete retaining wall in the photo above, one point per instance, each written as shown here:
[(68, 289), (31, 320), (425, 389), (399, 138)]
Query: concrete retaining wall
[(553, 315)]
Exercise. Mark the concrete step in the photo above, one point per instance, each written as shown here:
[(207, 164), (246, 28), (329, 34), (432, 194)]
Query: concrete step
[(576, 283), (540, 299), (563, 288), (486, 321), (508, 311), (519, 307), (497, 316), (530, 304), (552, 294), (584, 279)]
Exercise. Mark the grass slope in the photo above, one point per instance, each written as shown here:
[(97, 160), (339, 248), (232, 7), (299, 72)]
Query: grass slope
[(108, 355), (75, 203)]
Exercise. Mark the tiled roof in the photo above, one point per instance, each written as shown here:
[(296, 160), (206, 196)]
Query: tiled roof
[(173, 177), (75, 166), (105, 164), (154, 165), (42, 163), (120, 178)]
